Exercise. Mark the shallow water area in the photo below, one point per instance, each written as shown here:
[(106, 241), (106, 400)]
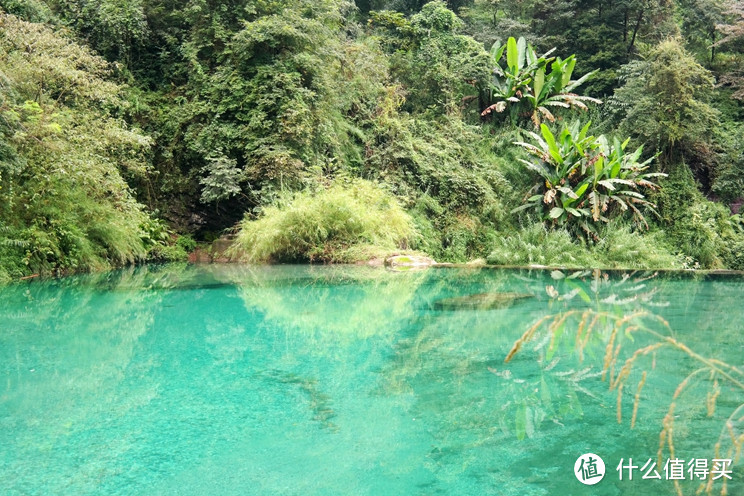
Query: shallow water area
[(235, 380)]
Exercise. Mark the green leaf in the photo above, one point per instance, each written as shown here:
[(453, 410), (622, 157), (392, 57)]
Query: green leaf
[(497, 50), (545, 389), (539, 83), (531, 56), (584, 296), (575, 84), (522, 207), (556, 70), (570, 62), (556, 212), (553, 149), (581, 189), (529, 424), (512, 55), (574, 403), (598, 166), (521, 52)]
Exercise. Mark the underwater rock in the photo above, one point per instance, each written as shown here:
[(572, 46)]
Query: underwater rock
[(481, 301)]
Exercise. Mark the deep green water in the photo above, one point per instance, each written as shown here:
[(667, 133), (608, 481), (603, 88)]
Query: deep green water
[(224, 380)]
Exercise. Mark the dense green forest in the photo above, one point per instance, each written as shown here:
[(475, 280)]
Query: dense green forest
[(570, 132)]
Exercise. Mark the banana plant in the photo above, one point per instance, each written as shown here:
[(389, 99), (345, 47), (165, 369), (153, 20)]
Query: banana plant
[(527, 84), (586, 179)]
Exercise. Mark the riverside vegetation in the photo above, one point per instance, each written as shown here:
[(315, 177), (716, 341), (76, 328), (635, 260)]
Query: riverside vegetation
[(557, 133)]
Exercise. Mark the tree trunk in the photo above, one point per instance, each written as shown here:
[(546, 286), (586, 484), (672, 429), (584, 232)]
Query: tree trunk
[(713, 46), (635, 31), (625, 27)]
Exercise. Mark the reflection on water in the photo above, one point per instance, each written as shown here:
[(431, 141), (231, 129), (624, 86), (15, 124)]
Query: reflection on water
[(354, 380)]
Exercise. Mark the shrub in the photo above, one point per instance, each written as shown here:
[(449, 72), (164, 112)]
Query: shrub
[(734, 256), (325, 225), (186, 243), (693, 224), (535, 245), (585, 179), (463, 238), (623, 248)]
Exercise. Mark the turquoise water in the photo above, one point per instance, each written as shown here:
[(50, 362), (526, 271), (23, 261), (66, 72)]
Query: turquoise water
[(183, 380)]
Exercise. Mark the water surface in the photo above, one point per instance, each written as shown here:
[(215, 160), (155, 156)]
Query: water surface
[(203, 380)]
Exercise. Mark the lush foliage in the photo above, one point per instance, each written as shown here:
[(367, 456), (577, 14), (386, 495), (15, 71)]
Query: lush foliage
[(64, 203), (665, 104), (527, 84), (127, 126), (326, 226), (585, 179), (620, 247)]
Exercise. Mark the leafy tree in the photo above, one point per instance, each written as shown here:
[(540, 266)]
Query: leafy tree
[(271, 104), (734, 29), (116, 27), (222, 180), (733, 34), (440, 68), (603, 35), (663, 103), (63, 196), (113, 28), (406, 6), (699, 21), (29, 10)]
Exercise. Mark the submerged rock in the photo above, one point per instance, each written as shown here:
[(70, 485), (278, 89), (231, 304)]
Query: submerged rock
[(481, 301)]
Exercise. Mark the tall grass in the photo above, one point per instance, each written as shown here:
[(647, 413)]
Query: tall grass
[(619, 248), (346, 221)]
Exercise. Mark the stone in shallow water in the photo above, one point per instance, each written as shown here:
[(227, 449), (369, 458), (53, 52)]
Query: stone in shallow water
[(481, 301)]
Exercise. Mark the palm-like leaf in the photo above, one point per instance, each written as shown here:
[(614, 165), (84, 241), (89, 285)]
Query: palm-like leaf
[(585, 179), (529, 84)]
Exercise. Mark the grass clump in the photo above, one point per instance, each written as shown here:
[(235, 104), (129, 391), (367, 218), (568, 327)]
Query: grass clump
[(345, 222), (620, 248), (535, 245)]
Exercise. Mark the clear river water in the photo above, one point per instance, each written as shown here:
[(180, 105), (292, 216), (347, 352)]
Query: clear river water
[(325, 380)]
